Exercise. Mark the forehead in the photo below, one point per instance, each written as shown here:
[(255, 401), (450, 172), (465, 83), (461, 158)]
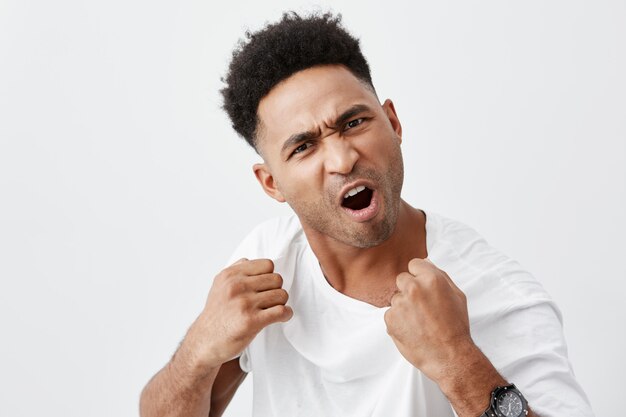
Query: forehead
[(308, 100)]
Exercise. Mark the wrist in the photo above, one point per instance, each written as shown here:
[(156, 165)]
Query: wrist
[(507, 401), (187, 370), (468, 380), (189, 364), (200, 349)]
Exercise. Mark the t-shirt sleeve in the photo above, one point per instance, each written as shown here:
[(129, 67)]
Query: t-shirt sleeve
[(527, 346), (515, 322), (261, 242), (248, 248), (244, 361)]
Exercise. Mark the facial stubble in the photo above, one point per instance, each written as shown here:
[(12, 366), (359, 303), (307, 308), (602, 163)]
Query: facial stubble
[(321, 215)]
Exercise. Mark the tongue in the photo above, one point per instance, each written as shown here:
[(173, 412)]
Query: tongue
[(358, 201)]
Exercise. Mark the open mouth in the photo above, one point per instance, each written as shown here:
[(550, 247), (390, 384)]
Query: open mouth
[(357, 198)]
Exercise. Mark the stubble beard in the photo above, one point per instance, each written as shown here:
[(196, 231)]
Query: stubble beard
[(322, 215)]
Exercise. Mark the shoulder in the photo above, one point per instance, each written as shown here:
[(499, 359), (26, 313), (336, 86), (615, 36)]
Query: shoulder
[(480, 267), (451, 230), (457, 239), (270, 239)]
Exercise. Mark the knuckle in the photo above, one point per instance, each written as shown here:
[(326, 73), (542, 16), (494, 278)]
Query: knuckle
[(234, 288), (415, 264), (281, 310), (278, 279), (238, 262), (228, 273), (242, 305), (413, 290), (283, 313), (246, 322), (283, 296), (430, 280), (221, 277), (411, 287), (266, 264), (274, 314), (404, 278), (232, 269)]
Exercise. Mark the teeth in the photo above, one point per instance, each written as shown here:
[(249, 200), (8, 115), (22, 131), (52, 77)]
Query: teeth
[(354, 191)]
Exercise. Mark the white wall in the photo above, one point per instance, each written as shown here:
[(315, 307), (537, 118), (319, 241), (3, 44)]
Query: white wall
[(123, 188)]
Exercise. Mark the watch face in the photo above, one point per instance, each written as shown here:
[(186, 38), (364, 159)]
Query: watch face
[(510, 405)]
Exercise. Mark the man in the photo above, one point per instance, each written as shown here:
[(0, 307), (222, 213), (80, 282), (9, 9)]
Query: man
[(359, 305)]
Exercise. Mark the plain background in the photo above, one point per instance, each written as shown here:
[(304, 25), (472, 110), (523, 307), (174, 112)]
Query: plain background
[(123, 188)]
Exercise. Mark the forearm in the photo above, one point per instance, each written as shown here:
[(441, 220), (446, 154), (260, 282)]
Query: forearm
[(468, 382), (204, 373), (179, 389)]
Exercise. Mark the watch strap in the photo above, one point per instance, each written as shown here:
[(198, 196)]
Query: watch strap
[(491, 410), (488, 413)]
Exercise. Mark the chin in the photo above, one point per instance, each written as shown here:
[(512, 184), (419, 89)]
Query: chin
[(365, 239)]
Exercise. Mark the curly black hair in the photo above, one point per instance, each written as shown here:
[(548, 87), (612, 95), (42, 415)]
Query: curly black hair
[(276, 52)]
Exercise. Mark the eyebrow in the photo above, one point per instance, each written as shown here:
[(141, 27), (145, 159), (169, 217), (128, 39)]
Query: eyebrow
[(298, 138)]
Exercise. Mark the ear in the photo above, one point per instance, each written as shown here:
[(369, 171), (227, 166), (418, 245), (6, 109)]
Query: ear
[(390, 111), (266, 179)]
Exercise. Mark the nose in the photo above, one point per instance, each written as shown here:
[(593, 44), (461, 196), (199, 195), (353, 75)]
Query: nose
[(340, 155)]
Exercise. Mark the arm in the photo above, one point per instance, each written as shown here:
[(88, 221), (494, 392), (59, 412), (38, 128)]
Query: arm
[(179, 389), (428, 321), (201, 378), (175, 392), (469, 381), (228, 380)]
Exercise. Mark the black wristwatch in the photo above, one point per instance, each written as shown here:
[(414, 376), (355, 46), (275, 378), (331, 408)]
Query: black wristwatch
[(506, 402)]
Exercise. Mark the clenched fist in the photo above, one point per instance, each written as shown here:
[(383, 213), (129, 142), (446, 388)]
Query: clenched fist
[(428, 318), (245, 297)]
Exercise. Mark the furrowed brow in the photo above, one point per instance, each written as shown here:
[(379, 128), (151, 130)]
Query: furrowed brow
[(349, 114), (298, 138)]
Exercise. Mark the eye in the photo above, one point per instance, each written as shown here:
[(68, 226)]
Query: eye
[(354, 123), (302, 148)]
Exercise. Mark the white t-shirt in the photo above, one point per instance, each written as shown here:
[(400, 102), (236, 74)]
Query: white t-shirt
[(335, 358)]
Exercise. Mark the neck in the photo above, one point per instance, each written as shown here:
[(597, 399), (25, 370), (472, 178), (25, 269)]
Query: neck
[(361, 272)]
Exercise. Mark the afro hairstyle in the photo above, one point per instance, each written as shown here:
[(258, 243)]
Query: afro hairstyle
[(265, 58)]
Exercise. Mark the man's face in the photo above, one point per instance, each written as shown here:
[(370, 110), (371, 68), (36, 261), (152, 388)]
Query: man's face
[(324, 136)]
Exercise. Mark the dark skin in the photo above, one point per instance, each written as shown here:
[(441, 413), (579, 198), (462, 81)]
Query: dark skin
[(367, 265), (201, 377), (311, 156), (428, 318)]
